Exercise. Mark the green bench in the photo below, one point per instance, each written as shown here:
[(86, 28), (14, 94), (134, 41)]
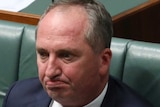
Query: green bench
[(136, 63)]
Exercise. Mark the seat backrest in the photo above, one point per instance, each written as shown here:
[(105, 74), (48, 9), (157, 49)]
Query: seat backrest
[(10, 44), (17, 54), (28, 65), (119, 51), (142, 70)]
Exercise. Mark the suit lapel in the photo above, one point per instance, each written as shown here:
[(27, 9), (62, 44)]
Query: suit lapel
[(43, 103)]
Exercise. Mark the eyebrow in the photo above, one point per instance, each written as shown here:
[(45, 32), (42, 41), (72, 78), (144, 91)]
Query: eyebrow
[(41, 50), (69, 50), (65, 50)]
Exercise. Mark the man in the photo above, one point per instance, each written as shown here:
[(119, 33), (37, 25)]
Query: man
[(73, 57)]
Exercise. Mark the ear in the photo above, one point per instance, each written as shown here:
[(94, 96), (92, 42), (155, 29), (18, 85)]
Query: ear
[(105, 57)]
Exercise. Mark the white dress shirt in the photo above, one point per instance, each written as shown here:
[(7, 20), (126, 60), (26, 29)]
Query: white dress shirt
[(95, 103)]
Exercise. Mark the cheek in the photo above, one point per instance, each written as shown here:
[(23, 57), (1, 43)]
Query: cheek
[(71, 71), (41, 70), (82, 75), (81, 71)]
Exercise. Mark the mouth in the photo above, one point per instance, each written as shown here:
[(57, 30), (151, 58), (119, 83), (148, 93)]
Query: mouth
[(52, 85)]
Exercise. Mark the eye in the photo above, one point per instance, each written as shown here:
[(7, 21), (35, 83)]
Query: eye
[(43, 54), (66, 56)]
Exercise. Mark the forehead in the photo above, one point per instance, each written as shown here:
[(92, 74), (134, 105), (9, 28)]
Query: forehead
[(65, 24), (65, 18)]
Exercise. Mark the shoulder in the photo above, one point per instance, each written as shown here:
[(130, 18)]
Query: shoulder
[(124, 96), (29, 81), (25, 91), (26, 85)]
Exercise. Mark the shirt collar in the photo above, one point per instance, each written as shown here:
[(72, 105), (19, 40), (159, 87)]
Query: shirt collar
[(98, 101)]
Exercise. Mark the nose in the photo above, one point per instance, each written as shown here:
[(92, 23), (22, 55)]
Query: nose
[(53, 69)]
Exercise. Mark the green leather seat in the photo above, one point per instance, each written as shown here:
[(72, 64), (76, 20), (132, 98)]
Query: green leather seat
[(10, 44), (136, 63), (28, 64), (17, 54), (119, 49), (142, 70)]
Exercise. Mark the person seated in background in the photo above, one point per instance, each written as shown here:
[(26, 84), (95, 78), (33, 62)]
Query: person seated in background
[(73, 56)]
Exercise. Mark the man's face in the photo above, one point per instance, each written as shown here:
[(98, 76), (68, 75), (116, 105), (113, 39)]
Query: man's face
[(68, 67)]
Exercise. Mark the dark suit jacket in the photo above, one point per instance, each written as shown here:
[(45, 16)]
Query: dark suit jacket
[(29, 93)]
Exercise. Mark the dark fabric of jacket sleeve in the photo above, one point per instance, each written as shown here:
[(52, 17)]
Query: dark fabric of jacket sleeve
[(27, 93)]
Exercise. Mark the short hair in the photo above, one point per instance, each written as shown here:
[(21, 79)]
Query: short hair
[(100, 30)]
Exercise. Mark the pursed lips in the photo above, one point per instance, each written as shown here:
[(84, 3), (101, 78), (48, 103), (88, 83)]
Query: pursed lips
[(55, 83)]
